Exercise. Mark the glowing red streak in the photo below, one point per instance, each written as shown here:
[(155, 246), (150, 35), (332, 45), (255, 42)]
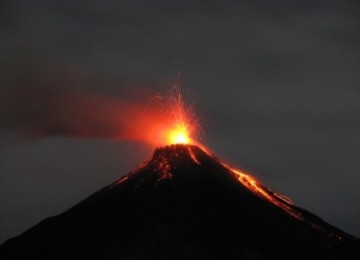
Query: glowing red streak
[(253, 185), (193, 157)]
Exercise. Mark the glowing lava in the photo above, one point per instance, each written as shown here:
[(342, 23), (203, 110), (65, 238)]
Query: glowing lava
[(179, 135), (258, 189), (169, 121)]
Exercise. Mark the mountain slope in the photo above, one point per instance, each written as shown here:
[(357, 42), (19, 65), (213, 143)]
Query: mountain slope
[(183, 204)]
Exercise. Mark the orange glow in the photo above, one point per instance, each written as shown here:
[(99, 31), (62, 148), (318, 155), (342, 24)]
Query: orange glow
[(179, 135), (166, 121), (179, 132)]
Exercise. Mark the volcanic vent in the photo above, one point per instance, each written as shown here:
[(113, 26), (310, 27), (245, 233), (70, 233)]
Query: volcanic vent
[(183, 204)]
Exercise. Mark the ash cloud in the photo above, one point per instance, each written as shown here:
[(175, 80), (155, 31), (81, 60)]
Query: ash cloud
[(46, 105)]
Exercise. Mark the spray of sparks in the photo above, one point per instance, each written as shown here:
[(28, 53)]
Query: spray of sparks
[(180, 132), (178, 124)]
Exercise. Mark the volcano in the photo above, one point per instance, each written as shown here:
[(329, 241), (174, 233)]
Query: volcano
[(183, 204)]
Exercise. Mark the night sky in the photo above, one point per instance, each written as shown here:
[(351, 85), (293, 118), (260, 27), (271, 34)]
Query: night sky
[(275, 82)]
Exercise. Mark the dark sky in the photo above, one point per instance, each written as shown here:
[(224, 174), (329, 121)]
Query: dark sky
[(277, 83)]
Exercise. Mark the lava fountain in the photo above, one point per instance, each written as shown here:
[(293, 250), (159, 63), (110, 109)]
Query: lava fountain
[(168, 120)]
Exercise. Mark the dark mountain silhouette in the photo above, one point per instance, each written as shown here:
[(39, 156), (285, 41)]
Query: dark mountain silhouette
[(183, 204)]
